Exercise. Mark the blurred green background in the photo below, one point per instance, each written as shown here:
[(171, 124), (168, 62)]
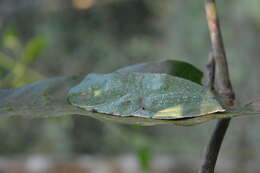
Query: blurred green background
[(45, 38)]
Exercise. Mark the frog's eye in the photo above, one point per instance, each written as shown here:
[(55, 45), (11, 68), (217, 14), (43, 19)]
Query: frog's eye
[(84, 96)]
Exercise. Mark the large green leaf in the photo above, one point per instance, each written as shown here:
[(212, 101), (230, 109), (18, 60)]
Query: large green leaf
[(146, 95), (48, 98), (172, 67)]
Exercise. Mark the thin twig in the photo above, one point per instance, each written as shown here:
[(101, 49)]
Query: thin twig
[(224, 86), (214, 145)]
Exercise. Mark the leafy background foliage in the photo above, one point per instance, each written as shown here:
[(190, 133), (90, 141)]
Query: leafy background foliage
[(46, 38)]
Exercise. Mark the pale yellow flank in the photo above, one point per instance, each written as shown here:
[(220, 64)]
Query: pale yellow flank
[(175, 111), (97, 93)]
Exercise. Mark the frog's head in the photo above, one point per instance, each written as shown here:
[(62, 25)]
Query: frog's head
[(94, 89), (87, 93)]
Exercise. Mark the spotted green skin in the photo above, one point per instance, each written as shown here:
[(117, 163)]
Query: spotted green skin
[(145, 95)]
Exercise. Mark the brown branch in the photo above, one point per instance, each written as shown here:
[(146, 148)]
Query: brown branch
[(224, 85), (218, 50), (211, 72)]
